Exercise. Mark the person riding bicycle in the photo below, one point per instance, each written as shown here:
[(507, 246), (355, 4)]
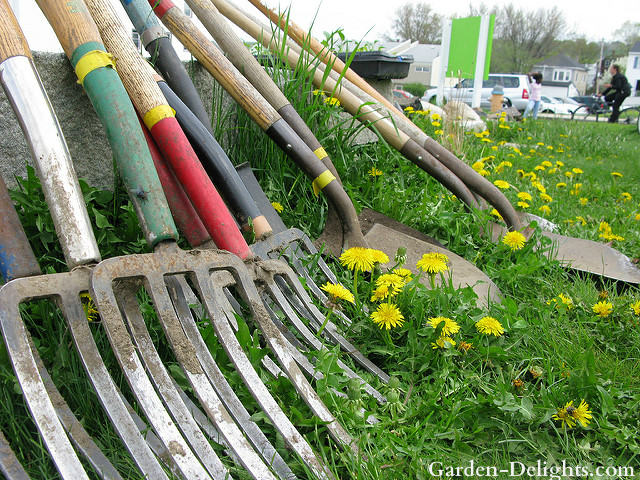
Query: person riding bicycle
[(616, 91)]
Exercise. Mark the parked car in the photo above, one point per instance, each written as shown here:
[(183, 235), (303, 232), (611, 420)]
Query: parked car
[(592, 104), (557, 106), (516, 90), (405, 99)]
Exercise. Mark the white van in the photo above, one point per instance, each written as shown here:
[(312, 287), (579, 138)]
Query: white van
[(516, 90)]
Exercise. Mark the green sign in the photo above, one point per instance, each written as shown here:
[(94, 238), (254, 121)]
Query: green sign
[(463, 48)]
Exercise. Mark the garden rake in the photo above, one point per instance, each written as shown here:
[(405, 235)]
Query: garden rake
[(144, 91), (22, 85), (575, 253)]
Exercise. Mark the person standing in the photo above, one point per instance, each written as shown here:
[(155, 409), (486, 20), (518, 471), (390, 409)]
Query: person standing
[(535, 81), (617, 90)]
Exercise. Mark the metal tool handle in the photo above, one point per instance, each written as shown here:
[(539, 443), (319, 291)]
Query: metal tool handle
[(49, 150), (218, 165), (79, 37), (16, 257), (159, 118), (164, 57)]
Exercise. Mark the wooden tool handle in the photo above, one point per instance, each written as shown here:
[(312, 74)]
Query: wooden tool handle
[(136, 78), (72, 23), (12, 41), (325, 55), (237, 52), (215, 63)]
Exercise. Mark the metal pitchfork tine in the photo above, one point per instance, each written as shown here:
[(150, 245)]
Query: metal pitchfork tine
[(168, 259)]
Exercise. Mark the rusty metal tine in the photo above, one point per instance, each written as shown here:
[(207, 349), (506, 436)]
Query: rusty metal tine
[(10, 466), (186, 357), (164, 385), (219, 382), (214, 297)]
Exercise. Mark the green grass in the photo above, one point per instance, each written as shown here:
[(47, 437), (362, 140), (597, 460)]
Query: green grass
[(449, 406)]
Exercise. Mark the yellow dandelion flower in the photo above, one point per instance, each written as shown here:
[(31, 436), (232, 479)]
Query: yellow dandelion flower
[(552, 170), (637, 217), (334, 102), (582, 413), (391, 280), (90, 310), (501, 184), (539, 168), (338, 292), (577, 171), (277, 207), (583, 201), (477, 166), (374, 172), (559, 163), (635, 307), (540, 144), (568, 174), (387, 315), (358, 259), (487, 140), (436, 117), (523, 205), (495, 213), (438, 132), (546, 164), (379, 256), (545, 209), (545, 197), (514, 240), (625, 196), (603, 309), (561, 185), (582, 220), (566, 300), (616, 174), (405, 273), (449, 328), (489, 326), (564, 415), (465, 346), (436, 124), (380, 293), (549, 147), (524, 196), (433, 262), (443, 342)]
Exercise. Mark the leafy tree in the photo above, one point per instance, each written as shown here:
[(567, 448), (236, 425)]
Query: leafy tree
[(629, 33), (417, 23)]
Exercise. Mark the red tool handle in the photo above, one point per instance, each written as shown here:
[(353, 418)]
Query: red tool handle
[(182, 210)]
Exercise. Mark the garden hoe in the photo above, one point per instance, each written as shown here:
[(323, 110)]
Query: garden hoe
[(578, 254), (227, 269)]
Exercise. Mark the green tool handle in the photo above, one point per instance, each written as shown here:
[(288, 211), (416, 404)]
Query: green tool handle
[(79, 37)]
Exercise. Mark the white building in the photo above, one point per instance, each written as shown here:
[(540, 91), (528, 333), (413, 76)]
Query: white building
[(423, 55), (633, 69)]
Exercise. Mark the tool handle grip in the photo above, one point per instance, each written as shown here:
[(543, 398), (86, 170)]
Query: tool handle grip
[(12, 40), (181, 208), (72, 24), (16, 256)]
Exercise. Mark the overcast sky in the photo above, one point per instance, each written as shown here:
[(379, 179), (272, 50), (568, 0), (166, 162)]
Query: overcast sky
[(594, 19)]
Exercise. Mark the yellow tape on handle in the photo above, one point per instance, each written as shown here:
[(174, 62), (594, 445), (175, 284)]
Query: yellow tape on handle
[(320, 153), (321, 181), (158, 113), (91, 61)]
